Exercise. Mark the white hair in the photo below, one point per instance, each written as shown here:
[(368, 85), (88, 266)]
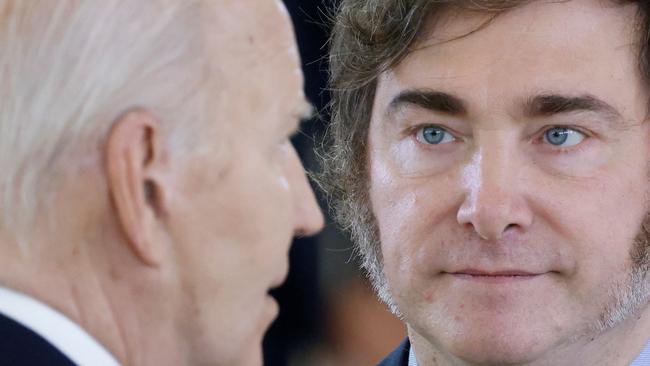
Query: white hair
[(69, 68)]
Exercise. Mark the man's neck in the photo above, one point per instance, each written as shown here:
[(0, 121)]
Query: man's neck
[(69, 290), (128, 308), (618, 346), (61, 332)]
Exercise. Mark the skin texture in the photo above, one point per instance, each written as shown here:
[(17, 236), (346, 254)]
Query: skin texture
[(170, 254), (236, 222), (495, 198)]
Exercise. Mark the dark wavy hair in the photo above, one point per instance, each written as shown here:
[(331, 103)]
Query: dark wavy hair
[(369, 37)]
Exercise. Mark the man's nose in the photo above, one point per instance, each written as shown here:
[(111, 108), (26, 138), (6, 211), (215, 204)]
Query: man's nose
[(308, 218), (494, 200)]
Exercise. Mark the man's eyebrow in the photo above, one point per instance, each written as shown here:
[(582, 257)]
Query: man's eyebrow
[(432, 100), (545, 105), (541, 105)]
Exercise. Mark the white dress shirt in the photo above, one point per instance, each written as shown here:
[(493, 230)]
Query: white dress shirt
[(56, 328)]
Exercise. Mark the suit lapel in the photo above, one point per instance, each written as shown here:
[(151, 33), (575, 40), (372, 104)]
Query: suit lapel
[(399, 357)]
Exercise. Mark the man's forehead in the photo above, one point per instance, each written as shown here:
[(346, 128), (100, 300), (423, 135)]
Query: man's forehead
[(249, 34), (530, 37), (254, 59), (450, 22), (250, 17), (573, 49)]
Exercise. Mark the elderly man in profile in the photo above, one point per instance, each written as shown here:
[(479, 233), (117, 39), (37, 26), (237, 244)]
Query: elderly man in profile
[(491, 159), (149, 191)]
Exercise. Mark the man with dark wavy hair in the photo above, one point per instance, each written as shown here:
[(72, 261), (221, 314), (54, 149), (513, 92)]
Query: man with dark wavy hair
[(491, 161)]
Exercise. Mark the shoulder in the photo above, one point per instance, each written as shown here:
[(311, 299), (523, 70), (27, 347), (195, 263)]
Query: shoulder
[(20, 346), (399, 357)]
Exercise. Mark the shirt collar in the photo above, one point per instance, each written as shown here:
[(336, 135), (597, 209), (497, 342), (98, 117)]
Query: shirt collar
[(412, 360), (56, 328), (644, 357)]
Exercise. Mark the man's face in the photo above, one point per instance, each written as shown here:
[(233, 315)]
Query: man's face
[(244, 194), (508, 177)]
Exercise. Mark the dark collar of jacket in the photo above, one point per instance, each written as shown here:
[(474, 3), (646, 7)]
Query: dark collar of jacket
[(399, 357), (20, 346)]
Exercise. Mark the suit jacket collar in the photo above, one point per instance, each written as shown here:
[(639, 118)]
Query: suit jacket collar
[(399, 357), (21, 346), (53, 327)]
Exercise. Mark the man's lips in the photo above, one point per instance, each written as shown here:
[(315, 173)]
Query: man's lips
[(507, 272), (494, 276)]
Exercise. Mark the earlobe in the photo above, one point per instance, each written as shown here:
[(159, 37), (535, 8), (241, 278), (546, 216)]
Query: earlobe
[(134, 154)]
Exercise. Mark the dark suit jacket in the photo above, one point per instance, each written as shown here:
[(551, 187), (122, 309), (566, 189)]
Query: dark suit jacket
[(399, 357), (20, 346)]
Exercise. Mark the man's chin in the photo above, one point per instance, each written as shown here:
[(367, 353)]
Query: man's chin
[(489, 343), (503, 350)]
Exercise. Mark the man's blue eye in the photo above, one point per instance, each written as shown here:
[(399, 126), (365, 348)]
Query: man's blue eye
[(563, 137), (434, 135)]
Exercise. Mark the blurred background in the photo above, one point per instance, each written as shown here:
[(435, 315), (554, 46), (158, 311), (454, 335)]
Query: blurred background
[(329, 315)]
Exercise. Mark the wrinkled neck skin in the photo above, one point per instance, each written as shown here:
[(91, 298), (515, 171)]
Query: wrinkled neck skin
[(85, 270), (618, 346)]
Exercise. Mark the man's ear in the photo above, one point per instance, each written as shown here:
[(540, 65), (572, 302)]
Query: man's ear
[(135, 164)]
